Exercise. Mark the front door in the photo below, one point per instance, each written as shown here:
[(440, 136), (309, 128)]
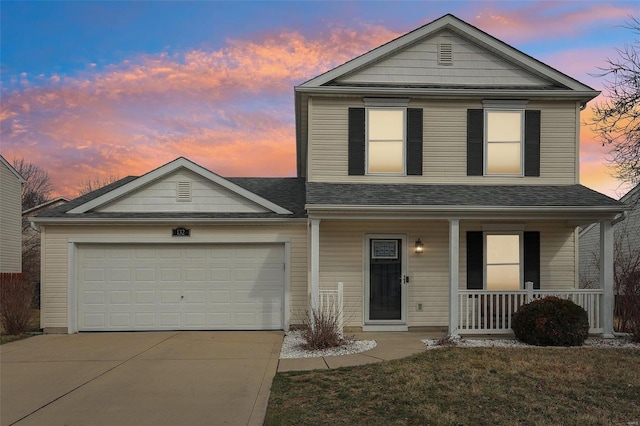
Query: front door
[(386, 280)]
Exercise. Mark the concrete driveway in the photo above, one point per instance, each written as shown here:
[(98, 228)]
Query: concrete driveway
[(138, 378)]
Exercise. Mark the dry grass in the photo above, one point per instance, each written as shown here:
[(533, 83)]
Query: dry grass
[(540, 386), (33, 328)]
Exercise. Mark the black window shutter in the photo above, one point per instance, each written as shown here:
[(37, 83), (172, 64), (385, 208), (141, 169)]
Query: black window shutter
[(532, 143), (475, 142), (414, 141), (356, 141), (475, 260), (532, 258)]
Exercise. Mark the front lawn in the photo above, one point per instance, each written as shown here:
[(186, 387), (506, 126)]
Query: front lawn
[(529, 386)]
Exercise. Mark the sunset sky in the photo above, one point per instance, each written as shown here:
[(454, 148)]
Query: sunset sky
[(93, 89)]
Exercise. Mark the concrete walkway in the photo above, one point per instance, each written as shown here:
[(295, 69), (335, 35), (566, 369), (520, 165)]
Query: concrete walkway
[(157, 378), (390, 345)]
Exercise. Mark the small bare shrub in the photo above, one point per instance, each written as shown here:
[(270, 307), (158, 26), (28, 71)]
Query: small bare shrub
[(448, 340), (321, 330), (16, 297), (627, 308)]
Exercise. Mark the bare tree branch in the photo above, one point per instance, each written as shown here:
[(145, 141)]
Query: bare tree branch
[(37, 188), (97, 182), (616, 120)]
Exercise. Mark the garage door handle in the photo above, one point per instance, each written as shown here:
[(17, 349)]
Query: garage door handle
[(181, 297)]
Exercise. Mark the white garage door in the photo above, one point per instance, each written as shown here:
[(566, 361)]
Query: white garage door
[(180, 287)]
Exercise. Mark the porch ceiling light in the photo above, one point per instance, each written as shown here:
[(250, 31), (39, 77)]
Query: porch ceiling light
[(419, 246)]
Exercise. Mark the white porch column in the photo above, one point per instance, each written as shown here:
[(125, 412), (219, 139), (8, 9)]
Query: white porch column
[(315, 264), (454, 274), (606, 276)]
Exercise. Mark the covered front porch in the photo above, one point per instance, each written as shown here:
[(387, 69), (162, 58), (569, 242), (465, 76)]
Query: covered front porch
[(338, 280), (482, 245), (490, 311)]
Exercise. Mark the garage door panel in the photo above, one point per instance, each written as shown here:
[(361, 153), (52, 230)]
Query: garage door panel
[(145, 274), (120, 297), (145, 319), (170, 297), (145, 297), (140, 287), (170, 274), (170, 320), (120, 320)]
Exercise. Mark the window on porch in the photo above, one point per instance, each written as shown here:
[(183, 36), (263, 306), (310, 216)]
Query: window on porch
[(502, 261)]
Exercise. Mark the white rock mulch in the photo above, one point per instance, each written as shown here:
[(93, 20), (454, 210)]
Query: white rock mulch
[(291, 347), (512, 343)]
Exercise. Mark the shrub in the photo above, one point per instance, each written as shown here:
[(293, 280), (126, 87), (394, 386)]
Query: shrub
[(16, 296), (321, 330), (551, 322)]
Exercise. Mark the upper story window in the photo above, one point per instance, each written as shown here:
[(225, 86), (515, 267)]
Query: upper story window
[(386, 140), (503, 139), (504, 142)]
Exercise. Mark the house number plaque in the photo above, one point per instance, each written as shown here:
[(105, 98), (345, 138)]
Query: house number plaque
[(181, 232)]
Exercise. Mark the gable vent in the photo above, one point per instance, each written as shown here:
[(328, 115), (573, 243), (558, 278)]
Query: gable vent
[(184, 191), (445, 54)]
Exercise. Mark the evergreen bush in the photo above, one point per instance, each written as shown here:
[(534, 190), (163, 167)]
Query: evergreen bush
[(551, 321)]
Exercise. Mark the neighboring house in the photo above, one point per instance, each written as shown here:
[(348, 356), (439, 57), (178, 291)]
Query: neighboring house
[(31, 241), (10, 206), (626, 244), (436, 175)]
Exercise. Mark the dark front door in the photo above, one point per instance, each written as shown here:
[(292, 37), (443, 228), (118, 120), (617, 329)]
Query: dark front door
[(385, 279)]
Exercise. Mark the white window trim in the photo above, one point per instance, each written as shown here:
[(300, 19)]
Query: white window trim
[(485, 147), (404, 140), (484, 256)]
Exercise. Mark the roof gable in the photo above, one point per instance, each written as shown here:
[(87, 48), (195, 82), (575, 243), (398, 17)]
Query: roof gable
[(466, 38), (134, 196), (11, 169)]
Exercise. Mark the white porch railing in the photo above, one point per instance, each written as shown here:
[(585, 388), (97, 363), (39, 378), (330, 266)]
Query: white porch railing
[(330, 303), (489, 312)]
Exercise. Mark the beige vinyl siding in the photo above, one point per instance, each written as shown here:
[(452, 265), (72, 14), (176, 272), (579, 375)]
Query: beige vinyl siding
[(161, 196), (418, 64), (10, 221), (445, 145), (557, 253), (342, 260), (55, 257)]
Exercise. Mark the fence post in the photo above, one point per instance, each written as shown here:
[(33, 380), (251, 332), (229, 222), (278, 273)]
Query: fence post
[(340, 307), (529, 287)]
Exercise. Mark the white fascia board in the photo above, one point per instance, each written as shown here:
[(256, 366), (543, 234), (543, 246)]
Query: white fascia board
[(415, 207), (454, 93), (157, 221), (465, 30), (170, 168)]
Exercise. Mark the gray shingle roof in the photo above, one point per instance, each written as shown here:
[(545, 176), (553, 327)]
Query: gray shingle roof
[(457, 195)]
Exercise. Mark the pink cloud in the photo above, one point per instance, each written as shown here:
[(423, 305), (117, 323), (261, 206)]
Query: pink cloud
[(546, 20), (230, 109)]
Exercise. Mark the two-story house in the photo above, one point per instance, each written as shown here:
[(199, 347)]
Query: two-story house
[(437, 174)]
